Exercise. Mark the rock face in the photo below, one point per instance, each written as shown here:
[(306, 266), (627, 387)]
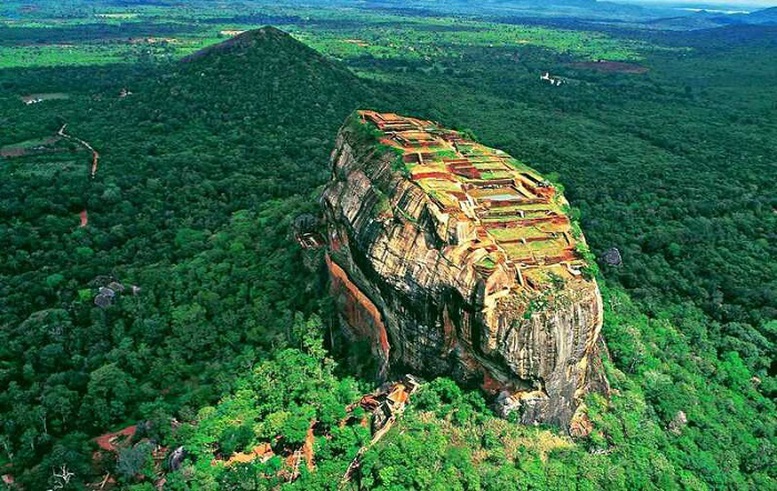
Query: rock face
[(455, 259)]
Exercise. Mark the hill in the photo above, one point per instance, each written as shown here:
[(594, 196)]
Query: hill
[(261, 82), (558, 9), (708, 20), (765, 16), (203, 168)]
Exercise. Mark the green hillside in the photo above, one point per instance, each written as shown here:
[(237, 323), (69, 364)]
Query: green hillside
[(202, 172)]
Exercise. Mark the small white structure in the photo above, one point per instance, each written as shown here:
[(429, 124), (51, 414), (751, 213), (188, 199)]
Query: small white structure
[(552, 80)]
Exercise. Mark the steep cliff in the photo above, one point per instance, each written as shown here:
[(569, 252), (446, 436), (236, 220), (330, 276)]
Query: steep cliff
[(455, 259)]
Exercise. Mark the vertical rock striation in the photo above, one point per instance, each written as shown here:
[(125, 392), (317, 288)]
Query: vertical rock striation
[(455, 259)]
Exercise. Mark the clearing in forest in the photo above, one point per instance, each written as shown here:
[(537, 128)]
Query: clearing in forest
[(611, 66), (49, 96)]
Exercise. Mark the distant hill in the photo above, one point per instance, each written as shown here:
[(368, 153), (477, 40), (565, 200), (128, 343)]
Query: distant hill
[(566, 9), (766, 16), (267, 75), (255, 43), (261, 93), (709, 20)]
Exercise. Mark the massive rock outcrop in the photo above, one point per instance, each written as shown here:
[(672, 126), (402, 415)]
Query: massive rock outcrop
[(455, 259)]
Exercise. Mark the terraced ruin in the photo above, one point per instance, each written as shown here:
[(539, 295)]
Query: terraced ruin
[(510, 214)]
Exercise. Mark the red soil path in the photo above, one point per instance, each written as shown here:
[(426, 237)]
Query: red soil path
[(307, 448), (92, 170), (107, 441)]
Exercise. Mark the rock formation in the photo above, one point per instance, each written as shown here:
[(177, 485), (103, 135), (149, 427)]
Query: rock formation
[(455, 259)]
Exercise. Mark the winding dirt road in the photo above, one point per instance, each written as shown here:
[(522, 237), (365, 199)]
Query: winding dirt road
[(95, 154), (92, 171)]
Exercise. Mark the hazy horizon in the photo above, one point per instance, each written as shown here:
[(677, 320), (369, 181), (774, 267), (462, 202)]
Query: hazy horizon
[(731, 4)]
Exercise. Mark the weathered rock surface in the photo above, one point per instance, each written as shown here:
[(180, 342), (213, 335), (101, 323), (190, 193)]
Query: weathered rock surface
[(455, 259)]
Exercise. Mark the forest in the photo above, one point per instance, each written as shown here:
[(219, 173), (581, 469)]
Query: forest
[(220, 335)]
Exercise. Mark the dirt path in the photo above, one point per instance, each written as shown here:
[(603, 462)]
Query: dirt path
[(107, 441), (307, 448), (95, 154), (92, 171), (395, 402), (356, 462)]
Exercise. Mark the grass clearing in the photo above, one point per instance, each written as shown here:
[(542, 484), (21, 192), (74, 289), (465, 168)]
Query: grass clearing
[(22, 148), (45, 169), (51, 96)]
